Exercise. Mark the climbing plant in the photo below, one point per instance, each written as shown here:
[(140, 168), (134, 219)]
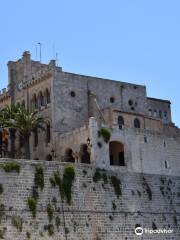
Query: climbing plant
[(17, 222), (68, 178), (105, 133), (50, 212), (117, 186), (11, 167), (39, 177), (32, 203)]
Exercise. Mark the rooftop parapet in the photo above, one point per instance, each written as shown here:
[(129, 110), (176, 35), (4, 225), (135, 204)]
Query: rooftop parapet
[(4, 93)]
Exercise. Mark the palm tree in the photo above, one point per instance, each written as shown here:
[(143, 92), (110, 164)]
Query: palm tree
[(7, 116), (26, 121)]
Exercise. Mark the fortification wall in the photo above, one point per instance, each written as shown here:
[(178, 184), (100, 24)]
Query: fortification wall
[(96, 213)]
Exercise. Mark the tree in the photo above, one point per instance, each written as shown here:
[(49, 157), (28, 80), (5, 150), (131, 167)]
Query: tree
[(26, 121)]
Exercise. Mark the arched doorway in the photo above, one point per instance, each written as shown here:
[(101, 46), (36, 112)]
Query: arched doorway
[(116, 152), (84, 154), (68, 157)]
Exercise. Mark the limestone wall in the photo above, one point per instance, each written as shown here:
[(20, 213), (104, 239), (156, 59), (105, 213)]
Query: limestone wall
[(72, 112), (96, 213)]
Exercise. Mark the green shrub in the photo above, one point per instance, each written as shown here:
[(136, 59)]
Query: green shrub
[(39, 177), (52, 181), (32, 203), (68, 178), (17, 222), (50, 212), (11, 167), (1, 188), (57, 179), (117, 186), (104, 177), (97, 176), (105, 133), (65, 184)]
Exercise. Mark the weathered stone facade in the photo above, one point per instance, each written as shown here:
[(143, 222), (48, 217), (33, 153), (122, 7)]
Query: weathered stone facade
[(143, 152)]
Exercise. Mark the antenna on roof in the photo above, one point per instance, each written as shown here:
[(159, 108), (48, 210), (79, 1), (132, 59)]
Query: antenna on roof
[(40, 46), (56, 59), (55, 55)]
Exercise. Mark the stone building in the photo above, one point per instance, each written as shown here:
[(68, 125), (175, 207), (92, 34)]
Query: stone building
[(76, 107)]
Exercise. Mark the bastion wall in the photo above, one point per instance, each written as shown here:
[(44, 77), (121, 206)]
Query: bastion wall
[(96, 212)]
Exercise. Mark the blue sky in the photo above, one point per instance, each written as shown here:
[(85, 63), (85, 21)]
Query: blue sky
[(131, 40)]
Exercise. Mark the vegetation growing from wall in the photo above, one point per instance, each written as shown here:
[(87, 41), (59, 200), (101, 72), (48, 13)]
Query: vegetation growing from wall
[(105, 133), (39, 177), (100, 175), (50, 229), (17, 222), (50, 212), (68, 178), (32, 203), (11, 167), (52, 181), (64, 184), (117, 186)]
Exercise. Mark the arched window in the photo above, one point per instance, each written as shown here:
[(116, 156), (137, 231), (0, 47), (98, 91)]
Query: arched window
[(137, 123), (160, 113), (84, 154), (155, 113), (150, 112), (68, 157), (116, 152), (34, 102), (41, 99), (120, 122), (47, 94), (48, 133)]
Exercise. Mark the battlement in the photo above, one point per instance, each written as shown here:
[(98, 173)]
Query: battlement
[(4, 94)]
